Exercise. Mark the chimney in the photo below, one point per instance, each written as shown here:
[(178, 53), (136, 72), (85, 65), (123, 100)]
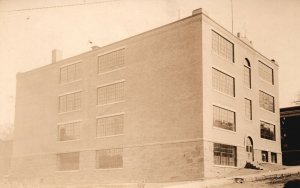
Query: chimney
[(197, 11), (56, 55)]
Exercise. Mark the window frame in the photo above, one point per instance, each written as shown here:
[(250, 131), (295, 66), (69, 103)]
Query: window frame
[(222, 113), (225, 45), (262, 103), (265, 67), (110, 116), (250, 110), (98, 165), (75, 106), (110, 84), (220, 150), (111, 52), (77, 123), (266, 160), (58, 162), (77, 75), (221, 84), (262, 123)]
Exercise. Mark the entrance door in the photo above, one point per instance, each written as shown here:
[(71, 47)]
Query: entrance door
[(249, 149)]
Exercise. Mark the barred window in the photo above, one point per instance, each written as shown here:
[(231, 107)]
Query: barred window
[(273, 157), (109, 158), (69, 131), (267, 130), (264, 156), (266, 101), (248, 109), (247, 77), (111, 61), (70, 102), (223, 82), (68, 161), (111, 93), (222, 46), (223, 118), (225, 155), (112, 125), (266, 72), (70, 73)]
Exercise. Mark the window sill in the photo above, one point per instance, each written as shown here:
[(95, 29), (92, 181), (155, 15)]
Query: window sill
[(107, 104), (225, 130), (65, 141), (109, 136), (217, 91), (62, 113), (107, 72), (109, 169), (67, 171), (70, 82), (224, 166)]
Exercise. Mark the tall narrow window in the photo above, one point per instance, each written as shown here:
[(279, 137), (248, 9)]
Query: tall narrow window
[(70, 73), (69, 131), (248, 109), (267, 131), (264, 156), (266, 72), (225, 155), (273, 157), (223, 82), (266, 101), (222, 46), (110, 93), (247, 74), (223, 118), (112, 125), (109, 158), (111, 61), (70, 102), (68, 161)]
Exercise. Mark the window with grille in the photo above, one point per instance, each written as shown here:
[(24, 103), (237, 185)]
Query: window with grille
[(110, 93), (70, 102), (112, 125), (248, 109), (109, 158), (68, 161), (273, 157), (223, 82), (265, 72), (70, 73), (223, 118), (267, 130), (69, 131), (111, 61), (225, 155), (222, 46), (266, 101), (264, 156)]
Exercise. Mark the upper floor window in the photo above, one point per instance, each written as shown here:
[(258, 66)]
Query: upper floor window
[(247, 74), (225, 155), (222, 46), (266, 101), (248, 109), (111, 61), (109, 158), (223, 118), (68, 161), (110, 93), (70, 102), (265, 72), (69, 131), (112, 125), (223, 82), (70, 73), (267, 130)]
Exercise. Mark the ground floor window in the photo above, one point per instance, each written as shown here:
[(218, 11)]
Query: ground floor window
[(109, 158), (225, 155), (274, 157), (68, 161), (264, 156)]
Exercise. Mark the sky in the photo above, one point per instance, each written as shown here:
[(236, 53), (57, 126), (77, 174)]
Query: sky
[(31, 29)]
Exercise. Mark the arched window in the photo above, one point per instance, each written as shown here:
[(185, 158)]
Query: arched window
[(247, 73)]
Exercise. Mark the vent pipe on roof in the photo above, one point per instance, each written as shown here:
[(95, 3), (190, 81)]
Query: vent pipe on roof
[(56, 55)]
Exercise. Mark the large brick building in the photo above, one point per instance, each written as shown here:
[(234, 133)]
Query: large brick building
[(184, 101)]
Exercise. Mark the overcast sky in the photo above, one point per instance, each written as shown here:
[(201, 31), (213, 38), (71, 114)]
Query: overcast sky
[(30, 29)]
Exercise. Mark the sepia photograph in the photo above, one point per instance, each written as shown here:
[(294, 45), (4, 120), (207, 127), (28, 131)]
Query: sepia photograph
[(149, 93)]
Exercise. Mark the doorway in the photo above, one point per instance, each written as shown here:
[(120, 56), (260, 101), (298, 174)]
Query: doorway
[(249, 149)]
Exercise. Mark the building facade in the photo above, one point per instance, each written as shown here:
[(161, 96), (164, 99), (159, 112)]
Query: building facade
[(290, 127), (186, 101)]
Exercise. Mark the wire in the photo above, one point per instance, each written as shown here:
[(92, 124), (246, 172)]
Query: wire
[(57, 6)]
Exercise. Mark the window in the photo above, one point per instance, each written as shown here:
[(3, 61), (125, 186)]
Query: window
[(70, 102), (222, 46), (111, 93), (68, 161), (247, 73), (266, 101), (109, 158), (264, 156), (223, 118), (69, 131), (265, 72), (267, 130), (223, 82), (112, 125), (273, 157), (248, 109), (225, 155), (70, 73), (111, 61)]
